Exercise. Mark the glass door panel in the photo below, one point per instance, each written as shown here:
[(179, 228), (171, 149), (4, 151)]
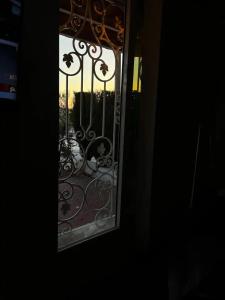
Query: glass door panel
[(91, 40)]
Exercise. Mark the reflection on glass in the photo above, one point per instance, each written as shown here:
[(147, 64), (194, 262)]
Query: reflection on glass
[(137, 74)]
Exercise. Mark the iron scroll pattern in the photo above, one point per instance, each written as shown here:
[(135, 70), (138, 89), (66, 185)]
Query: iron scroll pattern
[(87, 183)]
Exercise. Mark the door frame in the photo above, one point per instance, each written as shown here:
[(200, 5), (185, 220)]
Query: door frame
[(37, 91)]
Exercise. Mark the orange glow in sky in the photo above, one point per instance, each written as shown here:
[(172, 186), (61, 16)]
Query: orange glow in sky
[(74, 82)]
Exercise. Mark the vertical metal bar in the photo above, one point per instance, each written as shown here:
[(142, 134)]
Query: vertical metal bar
[(123, 110), (82, 90), (92, 96), (67, 108), (103, 110), (92, 93), (117, 97)]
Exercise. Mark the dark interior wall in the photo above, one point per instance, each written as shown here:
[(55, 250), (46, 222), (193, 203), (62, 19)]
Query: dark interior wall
[(190, 93), (30, 153), (8, 154), (189, 71), (170, 137), (210, 164), (8, 163), (180, 92)]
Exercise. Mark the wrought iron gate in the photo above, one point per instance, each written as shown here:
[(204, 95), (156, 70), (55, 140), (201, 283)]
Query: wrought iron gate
[(89, 118)]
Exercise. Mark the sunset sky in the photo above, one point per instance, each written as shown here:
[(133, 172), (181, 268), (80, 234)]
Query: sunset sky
[(65, 47)]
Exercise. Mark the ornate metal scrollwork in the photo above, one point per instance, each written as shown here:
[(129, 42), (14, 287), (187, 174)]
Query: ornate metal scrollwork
[(88, 155)]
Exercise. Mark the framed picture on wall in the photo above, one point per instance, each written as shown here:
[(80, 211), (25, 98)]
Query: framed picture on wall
[(10, 17)]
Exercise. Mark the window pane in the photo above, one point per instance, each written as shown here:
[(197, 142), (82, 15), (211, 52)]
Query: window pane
[(90, 60)]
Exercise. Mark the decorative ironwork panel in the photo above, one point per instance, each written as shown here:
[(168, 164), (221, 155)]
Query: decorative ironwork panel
[(90, 67)]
